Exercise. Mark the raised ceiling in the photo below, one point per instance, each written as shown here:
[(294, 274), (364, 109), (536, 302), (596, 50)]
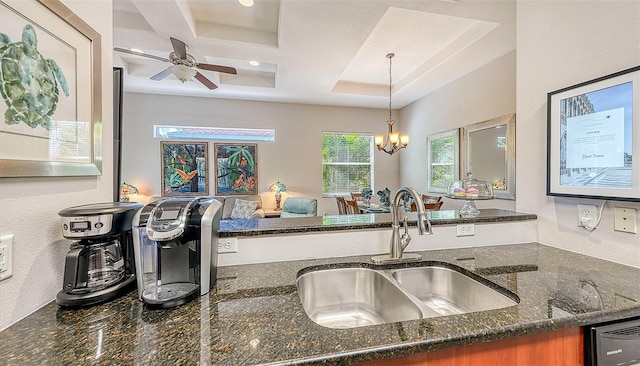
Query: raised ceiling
[(329, 52)]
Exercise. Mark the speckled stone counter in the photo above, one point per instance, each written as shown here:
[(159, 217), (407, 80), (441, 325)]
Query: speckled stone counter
[(274, 226), (254, 316)]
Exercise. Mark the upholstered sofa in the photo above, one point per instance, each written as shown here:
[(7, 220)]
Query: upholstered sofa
[(299, 207), (229, 202)]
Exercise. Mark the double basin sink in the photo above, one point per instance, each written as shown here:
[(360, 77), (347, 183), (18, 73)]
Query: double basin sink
[(361, 295)]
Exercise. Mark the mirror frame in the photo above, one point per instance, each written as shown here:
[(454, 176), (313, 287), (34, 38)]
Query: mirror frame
[(455, 133), (509, 120)]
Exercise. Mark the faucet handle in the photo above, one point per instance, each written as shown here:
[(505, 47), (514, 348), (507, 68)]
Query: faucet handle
[(405, 238)]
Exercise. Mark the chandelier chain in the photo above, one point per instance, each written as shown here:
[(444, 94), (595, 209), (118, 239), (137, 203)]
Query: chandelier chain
[(390, 83)]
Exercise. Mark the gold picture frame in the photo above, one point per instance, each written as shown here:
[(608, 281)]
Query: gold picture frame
[(64, 138)]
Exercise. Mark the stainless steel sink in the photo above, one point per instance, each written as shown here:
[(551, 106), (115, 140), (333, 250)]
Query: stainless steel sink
[(355, 296), (448, 292)]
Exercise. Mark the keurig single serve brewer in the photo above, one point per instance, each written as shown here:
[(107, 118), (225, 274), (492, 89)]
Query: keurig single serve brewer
[(99, 266), (176, 249)]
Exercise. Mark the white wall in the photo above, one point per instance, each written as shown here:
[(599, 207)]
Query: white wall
[(294, 158), (275, 248), (563, 43), (486, 93), (29, 206)]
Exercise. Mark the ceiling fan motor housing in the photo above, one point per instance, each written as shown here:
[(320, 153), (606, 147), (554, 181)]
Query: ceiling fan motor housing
[(188, 61)]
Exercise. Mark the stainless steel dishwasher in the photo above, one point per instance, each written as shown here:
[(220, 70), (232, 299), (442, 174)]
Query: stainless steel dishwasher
[(616, 344)]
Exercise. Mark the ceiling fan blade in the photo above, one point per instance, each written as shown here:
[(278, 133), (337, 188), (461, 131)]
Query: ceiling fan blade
[(179, 47), (162, 74), (218, 68), (206, 82), (124, 50)]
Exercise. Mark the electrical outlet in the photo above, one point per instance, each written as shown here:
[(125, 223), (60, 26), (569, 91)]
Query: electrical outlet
[(625, 220), (465, 230), (6, 256), (228, 245), (587, 215)]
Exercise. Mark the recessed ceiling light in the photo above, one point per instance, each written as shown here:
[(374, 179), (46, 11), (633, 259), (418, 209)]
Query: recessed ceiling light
[(254, 63), (246, 3), (137, 50)]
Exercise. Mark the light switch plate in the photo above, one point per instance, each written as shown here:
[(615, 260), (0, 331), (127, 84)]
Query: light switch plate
[(625, 220)]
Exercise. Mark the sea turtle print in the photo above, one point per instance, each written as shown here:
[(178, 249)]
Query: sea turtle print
[(28, 81)]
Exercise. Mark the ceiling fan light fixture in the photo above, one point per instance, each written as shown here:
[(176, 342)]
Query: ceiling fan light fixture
[(394, 140), (246, 3), (183, 73)]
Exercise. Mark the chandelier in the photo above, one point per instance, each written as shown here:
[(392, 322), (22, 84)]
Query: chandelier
[(394, 141)]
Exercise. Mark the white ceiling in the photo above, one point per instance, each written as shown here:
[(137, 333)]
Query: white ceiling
[(330, 52)]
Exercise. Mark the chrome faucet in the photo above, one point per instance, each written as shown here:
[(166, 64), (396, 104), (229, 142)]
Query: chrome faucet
[(400, 242)]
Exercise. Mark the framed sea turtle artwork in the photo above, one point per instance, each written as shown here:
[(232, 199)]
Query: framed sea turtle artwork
[(236, 167), (184, 168), (51, 91)]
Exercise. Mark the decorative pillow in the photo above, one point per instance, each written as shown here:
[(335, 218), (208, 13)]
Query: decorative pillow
[(243, 209)]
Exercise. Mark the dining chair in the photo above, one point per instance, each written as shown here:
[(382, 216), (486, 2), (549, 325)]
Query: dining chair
[(430, 199), (352, 207), (431, 206), (342, 205), (355, 195)]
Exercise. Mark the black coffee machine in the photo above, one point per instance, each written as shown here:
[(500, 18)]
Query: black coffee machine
[(176, 249), (99, 266)]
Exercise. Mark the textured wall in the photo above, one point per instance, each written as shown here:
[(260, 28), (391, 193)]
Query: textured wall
[(576, 42), (29, 206), (295, 158), (486, 93)]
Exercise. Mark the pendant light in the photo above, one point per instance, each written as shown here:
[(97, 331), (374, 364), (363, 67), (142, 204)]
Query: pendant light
[(394, 141)]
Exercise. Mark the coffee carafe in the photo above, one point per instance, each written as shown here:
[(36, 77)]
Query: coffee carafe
[(99, 266)]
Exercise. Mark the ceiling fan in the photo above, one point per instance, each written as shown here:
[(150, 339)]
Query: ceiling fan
[(183, 64)]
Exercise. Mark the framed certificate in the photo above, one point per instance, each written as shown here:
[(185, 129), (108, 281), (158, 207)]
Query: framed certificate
[(593, 135)]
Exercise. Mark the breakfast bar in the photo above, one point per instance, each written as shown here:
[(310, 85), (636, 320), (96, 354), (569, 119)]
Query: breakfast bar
[(254, 316)]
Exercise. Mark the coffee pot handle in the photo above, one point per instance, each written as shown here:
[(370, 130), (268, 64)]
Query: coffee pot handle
[(75, 271)]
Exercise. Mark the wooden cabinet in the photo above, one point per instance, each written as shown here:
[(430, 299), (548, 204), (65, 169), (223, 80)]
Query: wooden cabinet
[(559, 348)]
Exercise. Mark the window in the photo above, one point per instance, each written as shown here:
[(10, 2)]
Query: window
[(213, 133), (347, 163)]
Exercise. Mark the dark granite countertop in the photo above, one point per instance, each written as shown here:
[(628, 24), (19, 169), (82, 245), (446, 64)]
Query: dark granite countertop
[(254, 316), (271, 226)]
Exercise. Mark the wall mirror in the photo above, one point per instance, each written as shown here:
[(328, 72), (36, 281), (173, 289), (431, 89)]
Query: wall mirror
[(442, 160), (488, 150)]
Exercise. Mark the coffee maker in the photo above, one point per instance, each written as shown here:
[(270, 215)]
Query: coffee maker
[(176, 249), (99, 266)]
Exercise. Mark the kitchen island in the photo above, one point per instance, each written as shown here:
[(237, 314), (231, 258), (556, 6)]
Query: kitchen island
[(254, 316), (293, 225)]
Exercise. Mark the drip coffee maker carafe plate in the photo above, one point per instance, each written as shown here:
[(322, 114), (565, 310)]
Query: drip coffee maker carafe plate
[(170, 295)]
